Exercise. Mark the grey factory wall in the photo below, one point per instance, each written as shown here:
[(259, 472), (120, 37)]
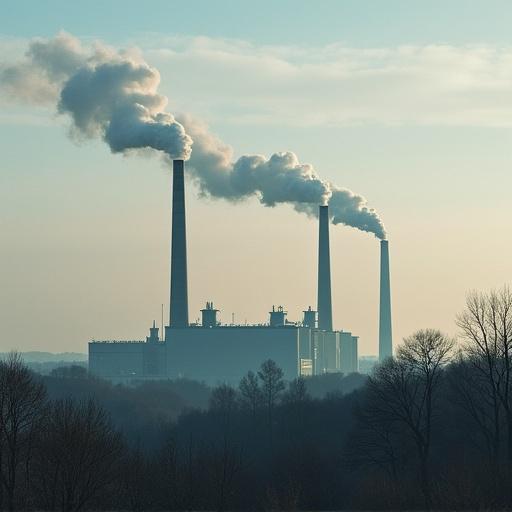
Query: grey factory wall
[(227, 354), (125, 361)]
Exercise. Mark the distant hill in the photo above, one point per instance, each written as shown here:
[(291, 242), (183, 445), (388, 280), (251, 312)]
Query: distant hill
[(49, 357)]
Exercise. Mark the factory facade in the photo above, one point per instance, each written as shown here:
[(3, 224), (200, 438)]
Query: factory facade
[(215, 353), (224, 353)]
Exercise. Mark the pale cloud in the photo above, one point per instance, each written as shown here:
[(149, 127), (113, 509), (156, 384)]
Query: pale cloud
[(336, 85)]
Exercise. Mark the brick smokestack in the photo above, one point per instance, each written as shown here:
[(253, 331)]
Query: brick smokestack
[(179, 293), (324, 272), (385, 336)]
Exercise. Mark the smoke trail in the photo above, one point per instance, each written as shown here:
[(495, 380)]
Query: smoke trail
[(278, 179), (113, 95), (108, 94)]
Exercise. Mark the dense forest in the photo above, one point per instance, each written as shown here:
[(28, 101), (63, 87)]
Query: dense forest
[(430, 428)]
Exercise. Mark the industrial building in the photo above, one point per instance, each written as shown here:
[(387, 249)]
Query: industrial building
[(214, 353)]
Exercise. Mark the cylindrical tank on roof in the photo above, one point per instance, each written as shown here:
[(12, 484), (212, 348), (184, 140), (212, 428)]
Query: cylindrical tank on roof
[(277, 316), (209, 315)]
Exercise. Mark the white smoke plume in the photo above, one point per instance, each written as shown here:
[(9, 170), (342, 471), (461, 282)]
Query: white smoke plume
[(107, 93), (278, 179), (113, 94)]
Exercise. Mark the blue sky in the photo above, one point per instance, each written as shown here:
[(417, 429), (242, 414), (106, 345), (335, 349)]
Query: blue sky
[(360, 23), (407, 103)]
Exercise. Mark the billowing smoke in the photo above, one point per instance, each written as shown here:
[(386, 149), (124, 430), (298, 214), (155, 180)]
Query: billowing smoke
[(278, 179), (107, 94), (113, 95)]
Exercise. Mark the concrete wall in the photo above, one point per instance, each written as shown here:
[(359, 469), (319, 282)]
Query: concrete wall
[(124, 361), (326, 352), (348, 352), (226, 354)]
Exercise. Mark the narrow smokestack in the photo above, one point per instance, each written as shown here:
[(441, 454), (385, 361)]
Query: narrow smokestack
[(324, 272), (179, 295), (385, 337)]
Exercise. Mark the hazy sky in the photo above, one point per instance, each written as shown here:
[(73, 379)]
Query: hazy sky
[(407, 103)]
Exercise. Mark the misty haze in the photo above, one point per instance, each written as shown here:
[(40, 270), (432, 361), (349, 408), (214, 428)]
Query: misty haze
[(174, 336)]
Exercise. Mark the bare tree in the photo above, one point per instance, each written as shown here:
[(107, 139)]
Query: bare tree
[(402, 393), (376, 443), (295, 404), (79, 456), (251, 395), (136, 480), (169, 475), (224, 399), (21, 404), (472, 392), (226, 455), (272, 387), (486, 326), (297, 392)]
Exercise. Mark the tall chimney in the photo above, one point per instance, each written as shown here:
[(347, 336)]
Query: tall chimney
[(385, 337), (324, 272), (179, 295)]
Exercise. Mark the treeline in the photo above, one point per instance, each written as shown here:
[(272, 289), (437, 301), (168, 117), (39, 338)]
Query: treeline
[(429, 429), (143, 410), (73, 442), (45, 362)]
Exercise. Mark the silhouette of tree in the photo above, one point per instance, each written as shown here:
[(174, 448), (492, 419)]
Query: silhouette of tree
[(403, 392), (136, 481), (251, 396), (80, 455), (168, 477), (69, 372), (377, 444), (486, 326), (328, 383), (297, 392), (472, 392), (295, 405), (22, 401), (272, 387), (226, 454), (224, 399)]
